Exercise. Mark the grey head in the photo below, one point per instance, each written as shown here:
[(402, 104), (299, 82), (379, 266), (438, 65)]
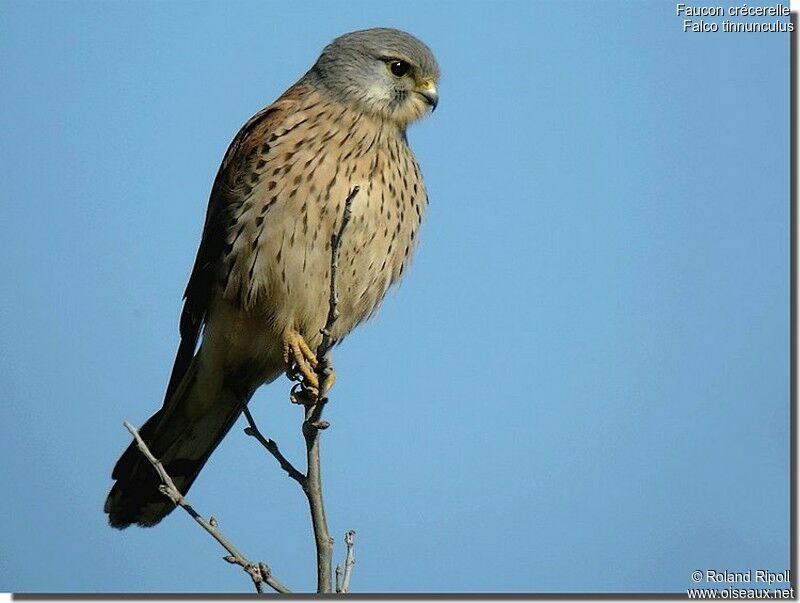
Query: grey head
[(384, 72)]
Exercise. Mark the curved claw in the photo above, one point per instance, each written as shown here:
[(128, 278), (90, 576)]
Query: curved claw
[(305, 396), (299, 358)]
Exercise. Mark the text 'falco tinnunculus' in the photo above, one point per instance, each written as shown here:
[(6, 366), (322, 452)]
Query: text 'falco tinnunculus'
[(258, 289)]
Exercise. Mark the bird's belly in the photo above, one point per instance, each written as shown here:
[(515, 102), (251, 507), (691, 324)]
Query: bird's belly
[(282, 250), (370, 257), (293, 269)]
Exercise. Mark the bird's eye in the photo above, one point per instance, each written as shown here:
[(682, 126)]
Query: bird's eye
[(398, 68)]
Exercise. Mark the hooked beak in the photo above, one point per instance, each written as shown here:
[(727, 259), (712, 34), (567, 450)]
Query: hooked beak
[(427, 90)]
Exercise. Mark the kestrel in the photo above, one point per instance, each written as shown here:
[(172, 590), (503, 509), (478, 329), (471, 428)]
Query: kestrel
[(259, 288)]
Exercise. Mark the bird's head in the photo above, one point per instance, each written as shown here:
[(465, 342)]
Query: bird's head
[(385, 72)]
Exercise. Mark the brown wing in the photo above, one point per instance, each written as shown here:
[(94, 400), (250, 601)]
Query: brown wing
[(184, 443), (230, 189)]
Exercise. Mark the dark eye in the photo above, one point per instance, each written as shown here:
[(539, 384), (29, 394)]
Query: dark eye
[(398, 68)]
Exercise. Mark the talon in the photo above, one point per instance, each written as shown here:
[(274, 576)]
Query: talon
[(299, 358), (303, 395)]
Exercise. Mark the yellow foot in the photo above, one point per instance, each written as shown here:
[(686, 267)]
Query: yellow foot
[(299, 358)]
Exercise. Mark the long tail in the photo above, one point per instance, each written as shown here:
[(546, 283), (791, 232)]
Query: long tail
[(182, 435)]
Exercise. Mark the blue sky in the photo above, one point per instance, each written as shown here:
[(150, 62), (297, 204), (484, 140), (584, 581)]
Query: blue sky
[(582, 383)]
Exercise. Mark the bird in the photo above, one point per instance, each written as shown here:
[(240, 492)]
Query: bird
[(258, 294)]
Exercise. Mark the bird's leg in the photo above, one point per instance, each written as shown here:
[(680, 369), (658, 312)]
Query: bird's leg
[(300, 359)]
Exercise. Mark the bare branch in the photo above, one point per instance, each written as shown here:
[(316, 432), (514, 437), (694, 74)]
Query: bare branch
[(339, 575), (316, 504), (333, 302), (343, 575), (350, 560), (266, 576), (211, 526), (272, 448)]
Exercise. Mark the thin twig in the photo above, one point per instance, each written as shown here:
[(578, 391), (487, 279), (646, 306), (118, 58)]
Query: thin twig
[(266, 576), (339, 575), (349, 561), (333, 303), (272, 448), (259, 573)]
